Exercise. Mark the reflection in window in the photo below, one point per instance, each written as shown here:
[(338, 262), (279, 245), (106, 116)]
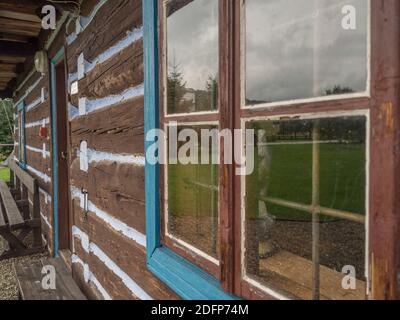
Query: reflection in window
[(192, 193), (192, 56), (299, 49), (305, 206)]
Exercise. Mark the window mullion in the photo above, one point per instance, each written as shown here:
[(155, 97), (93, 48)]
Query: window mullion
[(315, 210)]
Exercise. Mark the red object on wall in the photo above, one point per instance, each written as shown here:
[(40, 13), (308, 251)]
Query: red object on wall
[(43, 132)]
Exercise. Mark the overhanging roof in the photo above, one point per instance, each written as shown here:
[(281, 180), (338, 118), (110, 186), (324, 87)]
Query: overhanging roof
[(20, 30)]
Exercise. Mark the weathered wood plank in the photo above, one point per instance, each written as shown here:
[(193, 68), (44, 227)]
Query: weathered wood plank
[(104, 32), (30, 276), (42, 111), (116, 129), (14, 217), (116, 189), (122, 71), (65, 282), (25, 178)]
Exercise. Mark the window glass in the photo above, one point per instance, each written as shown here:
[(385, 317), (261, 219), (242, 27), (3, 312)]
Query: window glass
[(192, 215), (305, 207), (304, 49), (192, 56)]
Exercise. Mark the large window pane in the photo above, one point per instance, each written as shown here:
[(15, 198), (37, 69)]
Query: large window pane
[(192, 56), (307, 194), (192, 215), (300, 49)]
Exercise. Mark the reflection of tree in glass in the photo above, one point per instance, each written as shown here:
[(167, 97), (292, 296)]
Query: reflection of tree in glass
[(183, 100), (175, 88), (338, 89)]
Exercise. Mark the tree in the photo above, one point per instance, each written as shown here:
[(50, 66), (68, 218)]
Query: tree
[(337, 89), (6, 128), (175, 88), (212, 92)]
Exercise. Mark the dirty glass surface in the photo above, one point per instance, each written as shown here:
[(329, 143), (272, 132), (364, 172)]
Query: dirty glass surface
[(191, 56), (304, 49), (305, 207), (193, 211)]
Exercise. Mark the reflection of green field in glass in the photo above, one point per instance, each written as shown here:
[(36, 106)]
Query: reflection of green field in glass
[(193, 208), (187, 199), (342, 179)]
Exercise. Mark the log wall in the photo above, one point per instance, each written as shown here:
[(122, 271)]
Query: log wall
[(108, 257)]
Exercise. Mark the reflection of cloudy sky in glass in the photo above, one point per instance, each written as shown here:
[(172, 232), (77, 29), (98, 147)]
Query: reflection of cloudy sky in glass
[(192, 34), (280, 49)]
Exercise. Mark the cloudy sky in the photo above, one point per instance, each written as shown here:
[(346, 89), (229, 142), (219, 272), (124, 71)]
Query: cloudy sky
[(192, 34), (279, 46)]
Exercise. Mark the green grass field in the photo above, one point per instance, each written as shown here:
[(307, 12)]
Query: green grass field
[(342, 179), (5, 174), (342, 182)]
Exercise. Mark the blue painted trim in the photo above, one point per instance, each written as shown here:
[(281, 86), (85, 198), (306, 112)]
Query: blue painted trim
[(186, 279), (22, 162), (53, 63)]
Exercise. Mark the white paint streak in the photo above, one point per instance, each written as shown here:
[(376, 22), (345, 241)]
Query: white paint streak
[(34, 104), (89, 276), (73, 111), (97, 104), (76, 232), (84, 22), (46, 220), (28, 91), (46, 154), (99, 156), (116, 224), (39, 123), (41, 175), (132, 36), (131, 285), (47, 197)]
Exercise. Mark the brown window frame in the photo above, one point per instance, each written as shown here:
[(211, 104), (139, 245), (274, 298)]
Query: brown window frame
[(383, 108)]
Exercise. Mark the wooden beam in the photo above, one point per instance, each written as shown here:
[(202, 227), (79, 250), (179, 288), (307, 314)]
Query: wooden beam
[(9, 22), (14, 37), (19, 15), (8, 74), (7, 67), (19, 31), (8, 59)]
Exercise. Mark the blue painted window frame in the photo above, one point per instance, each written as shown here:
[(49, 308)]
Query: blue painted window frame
[(185, 278), (53, 63), (21, 108)]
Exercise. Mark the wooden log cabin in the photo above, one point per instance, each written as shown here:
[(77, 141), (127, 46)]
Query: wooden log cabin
[(317, 81)]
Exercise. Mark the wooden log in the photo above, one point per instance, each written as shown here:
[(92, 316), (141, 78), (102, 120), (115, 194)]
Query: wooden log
[(103, 32), (127, 254), (117, 129), (116, 189)]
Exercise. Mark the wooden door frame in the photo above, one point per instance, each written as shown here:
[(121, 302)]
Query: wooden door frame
[(58, 58)]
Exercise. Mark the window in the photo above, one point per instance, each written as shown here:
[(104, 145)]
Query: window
[(305, 208), (21, 135), (190, 196), (303, 52), (298, 76)]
